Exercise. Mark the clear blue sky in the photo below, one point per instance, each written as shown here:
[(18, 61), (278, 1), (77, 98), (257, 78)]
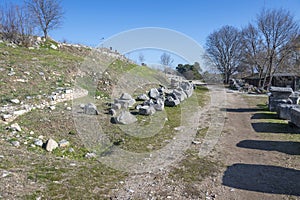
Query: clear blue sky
[(88, 21)]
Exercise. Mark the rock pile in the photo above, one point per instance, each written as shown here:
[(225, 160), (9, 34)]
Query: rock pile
[(155, 100)]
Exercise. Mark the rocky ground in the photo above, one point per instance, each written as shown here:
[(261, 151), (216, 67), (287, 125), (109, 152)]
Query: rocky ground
[(232, 147), (257, 162)]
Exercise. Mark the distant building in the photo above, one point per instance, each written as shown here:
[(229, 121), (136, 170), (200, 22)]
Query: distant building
[(279, 80)]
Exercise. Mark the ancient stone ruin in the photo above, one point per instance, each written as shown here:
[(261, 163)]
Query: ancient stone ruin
[(286, 103), (155, 100)]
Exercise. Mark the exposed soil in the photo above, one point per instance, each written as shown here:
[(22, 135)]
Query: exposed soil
[(258, 162)]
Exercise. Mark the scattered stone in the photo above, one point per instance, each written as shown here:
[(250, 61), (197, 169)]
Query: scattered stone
[(52, 46), (82, 106), (159, 105), (5, 53), (90, 109), (90, 155), (15, 143), (11, 73), (5, 173), (180, 94), (63, 143), (52, 107), (68, 108), (16, 101), (112, 112), (142, 97), (51, 145), (125, 100), (38, 142), (20, 112), (31, 133), (172, 101), (6, 117), (154, 93), (15, 127), (41, 74), (116, 106), (71, 150), (196, 142), (125, 117), (146, 110)]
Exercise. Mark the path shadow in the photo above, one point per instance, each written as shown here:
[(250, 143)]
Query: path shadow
[(268, 127), (240, 110), (291, 148), (264, 116), (263, 178)]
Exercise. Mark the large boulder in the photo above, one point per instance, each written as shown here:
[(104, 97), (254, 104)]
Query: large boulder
[(180, 94), (172, 101), (159, 105), (279, 95), (125, 117), (90, 109), (188, 88), (274, 102), (295, 116), (284, 110), (295, 97), (281, 92), (154, 93), (125, 100)]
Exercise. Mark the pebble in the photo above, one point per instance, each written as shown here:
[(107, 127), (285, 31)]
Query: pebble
[(63, 143), (15, 143), (52, 107), (15, 127), (31, 133), (38, 142), (5, 174), (196, 142), (72, 164), (51, 145), (69, 108), (90, 155), (16, 101)]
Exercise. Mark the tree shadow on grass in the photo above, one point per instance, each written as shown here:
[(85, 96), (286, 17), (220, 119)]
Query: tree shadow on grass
[(263, 178), (268, 127), (288, 147)]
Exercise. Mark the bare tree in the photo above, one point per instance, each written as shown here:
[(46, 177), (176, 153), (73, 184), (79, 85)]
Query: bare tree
[(9, 27), (24, 24), (141, 58), (166, 59), (253, 53), (223, 50), (48, 14), (278, 30)]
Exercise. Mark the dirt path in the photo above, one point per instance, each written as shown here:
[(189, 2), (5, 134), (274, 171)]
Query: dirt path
[(257, 164), (257, 167)]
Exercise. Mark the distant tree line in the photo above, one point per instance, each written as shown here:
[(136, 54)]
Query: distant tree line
[(19, 22), (271, 44)]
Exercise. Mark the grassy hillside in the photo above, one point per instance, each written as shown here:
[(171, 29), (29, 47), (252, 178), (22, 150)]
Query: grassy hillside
[(31, 75)]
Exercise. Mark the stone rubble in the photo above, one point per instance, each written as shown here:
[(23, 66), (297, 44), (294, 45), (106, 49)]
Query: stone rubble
[(156, 100), (285, 102)]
